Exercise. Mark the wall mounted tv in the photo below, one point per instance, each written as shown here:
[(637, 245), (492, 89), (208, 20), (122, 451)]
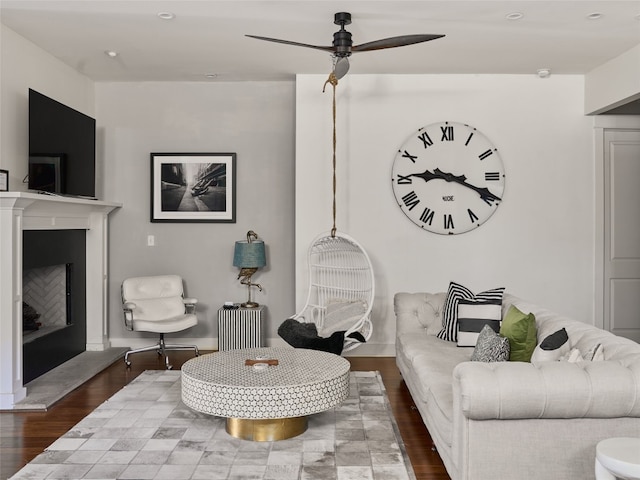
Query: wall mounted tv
[(62, 148)]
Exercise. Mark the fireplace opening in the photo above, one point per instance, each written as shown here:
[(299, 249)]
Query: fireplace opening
[(54, 299), (47, 300)]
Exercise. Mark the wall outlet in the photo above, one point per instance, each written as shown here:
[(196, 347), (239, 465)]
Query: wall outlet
[(151, 241)]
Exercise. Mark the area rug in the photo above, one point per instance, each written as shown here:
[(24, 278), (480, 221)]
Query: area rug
[(145, 432)]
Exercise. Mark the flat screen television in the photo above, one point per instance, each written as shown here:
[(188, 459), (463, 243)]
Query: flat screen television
[(62, 148)]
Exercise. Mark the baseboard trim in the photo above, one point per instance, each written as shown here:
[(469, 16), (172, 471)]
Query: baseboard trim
[(209, 343)]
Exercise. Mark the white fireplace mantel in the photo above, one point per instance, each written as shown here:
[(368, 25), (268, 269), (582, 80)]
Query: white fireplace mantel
[(21, 211)]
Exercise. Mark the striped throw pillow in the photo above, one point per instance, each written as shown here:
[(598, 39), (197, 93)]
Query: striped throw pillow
[(456, 293), (475, 314)]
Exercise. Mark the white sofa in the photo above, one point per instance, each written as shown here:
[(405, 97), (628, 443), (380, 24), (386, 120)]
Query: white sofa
[(516, 420)]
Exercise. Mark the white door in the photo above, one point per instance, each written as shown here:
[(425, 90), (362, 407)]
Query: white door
[(622, 233)]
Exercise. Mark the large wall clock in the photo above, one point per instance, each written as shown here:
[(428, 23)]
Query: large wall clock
[(448, 178)]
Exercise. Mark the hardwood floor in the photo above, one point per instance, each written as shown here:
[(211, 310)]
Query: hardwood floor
[(23, 435)]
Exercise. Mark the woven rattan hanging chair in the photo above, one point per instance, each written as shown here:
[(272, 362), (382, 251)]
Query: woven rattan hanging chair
[(341, 288), (341, 284)]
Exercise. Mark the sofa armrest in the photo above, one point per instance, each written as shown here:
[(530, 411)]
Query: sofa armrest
[(517, 390), (418, 311)]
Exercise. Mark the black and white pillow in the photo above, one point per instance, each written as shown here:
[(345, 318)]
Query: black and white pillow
[(491, 347), (475, 314), (552, 347), (456, 293)]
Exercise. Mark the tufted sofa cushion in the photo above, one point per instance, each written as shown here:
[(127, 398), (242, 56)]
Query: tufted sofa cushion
[(423, 309)]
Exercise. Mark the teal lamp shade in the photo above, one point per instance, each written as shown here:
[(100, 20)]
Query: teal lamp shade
[(249, 254)]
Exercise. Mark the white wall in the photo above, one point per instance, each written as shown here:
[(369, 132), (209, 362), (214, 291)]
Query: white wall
[(254, 120), (22, 66), (540, 242)]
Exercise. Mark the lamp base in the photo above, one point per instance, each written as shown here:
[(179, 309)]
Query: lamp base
[(249, 305)]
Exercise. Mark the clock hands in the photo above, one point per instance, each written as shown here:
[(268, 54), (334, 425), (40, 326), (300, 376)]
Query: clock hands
[(484, 192)]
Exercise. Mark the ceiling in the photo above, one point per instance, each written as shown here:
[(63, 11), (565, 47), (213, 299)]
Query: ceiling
[(207, 37)]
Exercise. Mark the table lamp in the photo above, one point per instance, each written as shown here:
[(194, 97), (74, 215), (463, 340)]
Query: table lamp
[(249, 255)]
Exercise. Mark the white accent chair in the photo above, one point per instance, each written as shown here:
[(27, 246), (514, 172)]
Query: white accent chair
[(157, 304)]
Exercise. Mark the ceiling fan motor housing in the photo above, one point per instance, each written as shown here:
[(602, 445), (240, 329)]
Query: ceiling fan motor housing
[(342, 39), (342, 43)]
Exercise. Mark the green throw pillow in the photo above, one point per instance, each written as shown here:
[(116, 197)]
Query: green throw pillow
[(520, 329)]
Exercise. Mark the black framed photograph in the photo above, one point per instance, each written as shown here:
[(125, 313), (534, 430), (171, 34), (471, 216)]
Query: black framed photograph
[(193, 187), (4, 180)]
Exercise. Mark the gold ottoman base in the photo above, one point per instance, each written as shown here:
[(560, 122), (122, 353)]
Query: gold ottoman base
[(266, 430)]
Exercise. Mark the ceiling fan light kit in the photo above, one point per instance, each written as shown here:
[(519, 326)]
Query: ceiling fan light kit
[(342, 46)]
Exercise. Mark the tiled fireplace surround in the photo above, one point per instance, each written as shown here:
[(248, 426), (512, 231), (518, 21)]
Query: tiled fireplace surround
[(21, 211)]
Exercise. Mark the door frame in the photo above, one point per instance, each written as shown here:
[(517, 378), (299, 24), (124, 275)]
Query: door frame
[(601, 124)]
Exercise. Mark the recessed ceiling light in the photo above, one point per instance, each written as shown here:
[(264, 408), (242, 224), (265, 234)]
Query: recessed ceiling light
[(166, 15), (111, 53), (544, 72), (211, 76), (594, 16), (514, 16)]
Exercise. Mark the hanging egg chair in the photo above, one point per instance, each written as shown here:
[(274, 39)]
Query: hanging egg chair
[(336, 316)]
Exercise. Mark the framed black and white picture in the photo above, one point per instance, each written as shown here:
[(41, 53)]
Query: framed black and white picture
[(193, 187), (4, 181)]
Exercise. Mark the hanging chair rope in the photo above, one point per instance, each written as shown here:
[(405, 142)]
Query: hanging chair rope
[(333, 80)]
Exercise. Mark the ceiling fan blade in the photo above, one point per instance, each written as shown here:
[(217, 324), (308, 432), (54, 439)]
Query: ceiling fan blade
[(297, 44), (341, 67), (392, 42)]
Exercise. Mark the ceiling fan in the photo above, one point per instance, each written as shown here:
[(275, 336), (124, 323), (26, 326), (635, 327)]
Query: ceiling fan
[(343, 46)]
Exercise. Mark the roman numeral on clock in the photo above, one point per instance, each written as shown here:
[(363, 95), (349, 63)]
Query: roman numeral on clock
[(426, 140), (448, 221), (402, 180), (427, 216), (491, 176), (411, 200), (409, 156), (472, 216), (447, 133), (484, 155), (468, 139)]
